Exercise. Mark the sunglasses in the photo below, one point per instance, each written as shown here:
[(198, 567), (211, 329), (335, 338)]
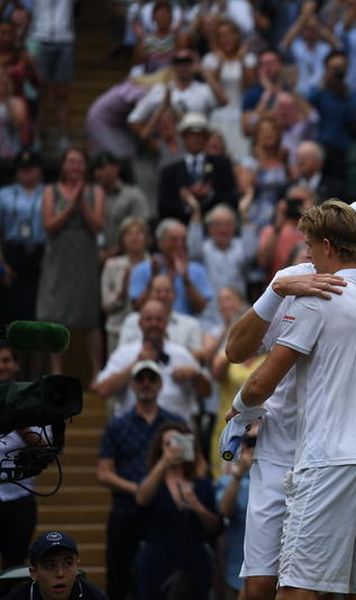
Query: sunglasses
[(147, 376)]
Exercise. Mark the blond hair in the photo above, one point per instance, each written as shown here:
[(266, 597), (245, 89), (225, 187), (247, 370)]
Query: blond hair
[(333, 220)]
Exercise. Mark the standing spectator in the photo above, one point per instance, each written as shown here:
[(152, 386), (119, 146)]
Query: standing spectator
[(121, 466), (345, 30), (225, 255), (181, 515), (53, 31), (13, 120), (106, 121), (54, 570), (182, 329), (209, 179), (298, 121), (22, 74), (133, 241), (156, 49), (336, 106), (73, 214), (191, 283), (22, 237), (228, 63), (184, 94), (183, 380), (121, 200), (309, 43), (260, 98), (263, 177), (265, 171)]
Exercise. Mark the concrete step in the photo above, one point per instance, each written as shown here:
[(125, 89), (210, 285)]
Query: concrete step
[(72, 476), (92, 554), (81, 455), (86, 437), (79, 513), (92, 417), (73, 494)]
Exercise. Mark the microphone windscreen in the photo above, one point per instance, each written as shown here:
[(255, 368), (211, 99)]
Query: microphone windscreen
[(38, 336)]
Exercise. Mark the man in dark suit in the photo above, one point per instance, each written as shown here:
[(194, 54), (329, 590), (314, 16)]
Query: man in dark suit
[(197, 177), (310, 173)]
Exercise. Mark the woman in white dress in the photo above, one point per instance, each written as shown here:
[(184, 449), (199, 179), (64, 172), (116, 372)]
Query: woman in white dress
[(234, 70)]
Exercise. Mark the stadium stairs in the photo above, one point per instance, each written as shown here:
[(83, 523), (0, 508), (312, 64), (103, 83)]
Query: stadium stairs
[(81, 506)]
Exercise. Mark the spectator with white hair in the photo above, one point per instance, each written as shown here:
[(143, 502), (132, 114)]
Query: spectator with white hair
[(225, 254), (191, 282), (309, 172)]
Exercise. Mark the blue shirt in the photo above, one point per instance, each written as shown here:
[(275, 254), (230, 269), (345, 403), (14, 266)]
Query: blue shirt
[(235, 532), (126, 440), (337, 115), (141, 276), (21, 216)]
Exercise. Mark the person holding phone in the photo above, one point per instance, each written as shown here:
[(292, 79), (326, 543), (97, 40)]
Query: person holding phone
[(181, 516)]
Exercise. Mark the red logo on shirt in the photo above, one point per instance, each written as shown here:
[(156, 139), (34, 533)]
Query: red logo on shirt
[(288, 318)]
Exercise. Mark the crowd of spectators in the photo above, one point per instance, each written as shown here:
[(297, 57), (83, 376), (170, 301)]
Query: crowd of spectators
[(233, 117)]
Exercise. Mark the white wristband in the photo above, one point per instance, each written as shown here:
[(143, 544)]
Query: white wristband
[(268, 304), (239, 404)]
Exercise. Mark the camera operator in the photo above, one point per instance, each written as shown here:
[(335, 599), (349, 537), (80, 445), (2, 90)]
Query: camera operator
[(18, 511)]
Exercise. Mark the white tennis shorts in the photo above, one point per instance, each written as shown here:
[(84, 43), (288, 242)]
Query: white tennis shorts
[(264, 519), (319, 532)]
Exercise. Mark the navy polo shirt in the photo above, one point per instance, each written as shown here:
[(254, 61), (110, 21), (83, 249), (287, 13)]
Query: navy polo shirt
[(126, 440)]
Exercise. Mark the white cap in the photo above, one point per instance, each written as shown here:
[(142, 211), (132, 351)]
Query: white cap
[(146, 365), (194, 121), (353, 205)]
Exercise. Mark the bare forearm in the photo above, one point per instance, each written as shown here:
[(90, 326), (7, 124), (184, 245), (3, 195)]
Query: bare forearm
[(148, 487), (54, 223), (245, 337), (209, 520), (228, 501), (195, 299), (114, 383), (112, 481), (220, 367)]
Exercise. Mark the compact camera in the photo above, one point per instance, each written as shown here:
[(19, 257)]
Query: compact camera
[(184, 441)]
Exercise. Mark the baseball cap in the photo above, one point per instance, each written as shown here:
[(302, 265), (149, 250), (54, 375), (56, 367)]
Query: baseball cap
[(146, 365), (27, 159), (103, 159), (194, 122), (49, 540)]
